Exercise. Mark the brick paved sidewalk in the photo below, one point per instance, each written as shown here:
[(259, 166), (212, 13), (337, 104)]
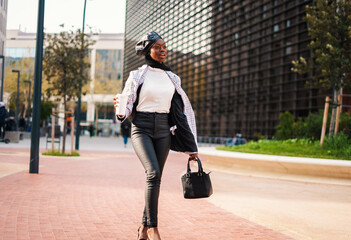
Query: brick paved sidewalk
[(100, 196)]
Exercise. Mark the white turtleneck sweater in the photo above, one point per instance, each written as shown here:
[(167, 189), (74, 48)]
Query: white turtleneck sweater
[(156, 93)]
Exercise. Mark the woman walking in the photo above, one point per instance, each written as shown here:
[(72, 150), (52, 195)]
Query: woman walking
[(162, 119)]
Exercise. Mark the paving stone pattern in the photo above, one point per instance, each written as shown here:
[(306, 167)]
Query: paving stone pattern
[(100, 195)]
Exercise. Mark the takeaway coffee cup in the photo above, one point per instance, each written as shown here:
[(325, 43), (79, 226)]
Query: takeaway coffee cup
[(122, 104)]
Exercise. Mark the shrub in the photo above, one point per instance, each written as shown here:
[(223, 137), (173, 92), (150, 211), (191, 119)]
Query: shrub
[(313, 125), (338, 145), (341, 141), (285, 127), (299, 129), (345, 124), (310, 127)]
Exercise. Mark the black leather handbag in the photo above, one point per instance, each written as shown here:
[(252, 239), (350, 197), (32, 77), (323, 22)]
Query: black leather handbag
[(196, 184)]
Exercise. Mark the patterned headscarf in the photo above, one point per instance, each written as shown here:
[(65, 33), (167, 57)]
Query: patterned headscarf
[(145, 43)]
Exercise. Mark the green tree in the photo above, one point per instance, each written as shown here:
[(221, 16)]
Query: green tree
[(329, 26), (64, 57), (21, 103), (285, 127), (45, 111)]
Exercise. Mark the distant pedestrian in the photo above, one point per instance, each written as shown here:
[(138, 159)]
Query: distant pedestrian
[(69, 123), (91, 129), (22, 124), (125, 128), (162, 119), (10, 124), (3, 116)]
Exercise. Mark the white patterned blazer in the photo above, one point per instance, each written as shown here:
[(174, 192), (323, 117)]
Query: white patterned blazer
[(136, 78)]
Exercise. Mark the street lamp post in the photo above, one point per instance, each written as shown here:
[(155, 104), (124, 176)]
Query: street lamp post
[(17, 98), (35, 135), (2, 77), (28, 110), (80, 87)]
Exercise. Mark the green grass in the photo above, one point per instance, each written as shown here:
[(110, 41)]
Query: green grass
[(333, 148), (60, 154)]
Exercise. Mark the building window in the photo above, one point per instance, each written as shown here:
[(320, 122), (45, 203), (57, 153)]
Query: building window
[(236, 38), (264, 9), (20, 52), (275, 30), (220, 7), (288, 48), (288, 23)]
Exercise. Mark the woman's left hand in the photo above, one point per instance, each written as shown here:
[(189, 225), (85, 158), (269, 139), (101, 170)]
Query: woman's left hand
[(193, 156)]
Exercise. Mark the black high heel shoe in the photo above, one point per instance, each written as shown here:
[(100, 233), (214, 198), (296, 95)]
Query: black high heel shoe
[(139, 235)]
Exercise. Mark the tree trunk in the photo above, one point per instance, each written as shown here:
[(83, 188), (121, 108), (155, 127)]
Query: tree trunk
[(96, 120), (64, 127), (333, 115)]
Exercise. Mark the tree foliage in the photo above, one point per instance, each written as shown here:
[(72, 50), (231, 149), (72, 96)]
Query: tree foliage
[(329, 26), (21, 102), (45, 111), (310, 127), (64, 61)]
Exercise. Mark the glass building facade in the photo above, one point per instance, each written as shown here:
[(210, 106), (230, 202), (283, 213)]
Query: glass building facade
[(234, 59)]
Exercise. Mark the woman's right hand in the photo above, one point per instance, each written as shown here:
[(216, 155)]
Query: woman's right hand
[(193, 156)]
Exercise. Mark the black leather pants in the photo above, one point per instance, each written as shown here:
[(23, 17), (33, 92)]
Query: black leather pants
[(151, 140)]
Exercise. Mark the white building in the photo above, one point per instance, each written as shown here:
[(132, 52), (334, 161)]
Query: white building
[(106, 67)]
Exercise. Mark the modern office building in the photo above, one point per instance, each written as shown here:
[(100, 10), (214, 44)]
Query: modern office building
[(105, 73), (234, 58), (3, 21)]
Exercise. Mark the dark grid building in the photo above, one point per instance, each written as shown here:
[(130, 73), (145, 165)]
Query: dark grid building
[(234, 59)]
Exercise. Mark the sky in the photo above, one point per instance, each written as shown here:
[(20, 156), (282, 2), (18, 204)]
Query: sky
[(105, 16)]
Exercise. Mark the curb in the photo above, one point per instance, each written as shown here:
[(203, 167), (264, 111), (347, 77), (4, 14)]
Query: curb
[(247, 162)]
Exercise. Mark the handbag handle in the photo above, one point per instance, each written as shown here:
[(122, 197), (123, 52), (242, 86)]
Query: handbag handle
[(200, 171)]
